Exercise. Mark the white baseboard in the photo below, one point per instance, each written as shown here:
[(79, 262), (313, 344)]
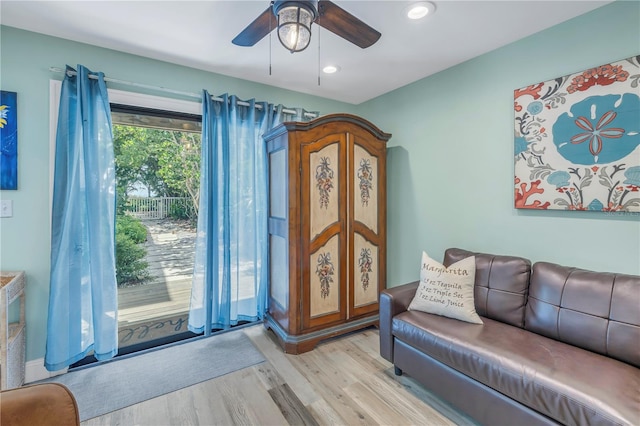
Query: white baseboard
[(35, 371)]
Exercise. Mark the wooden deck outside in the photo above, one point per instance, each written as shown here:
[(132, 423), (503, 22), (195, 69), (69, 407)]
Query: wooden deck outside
[(159, 308)]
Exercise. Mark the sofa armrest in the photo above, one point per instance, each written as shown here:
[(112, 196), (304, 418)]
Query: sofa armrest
[(41, 404), (392, 302)]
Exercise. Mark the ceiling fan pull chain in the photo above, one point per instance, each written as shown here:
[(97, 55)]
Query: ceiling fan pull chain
[(270, 46), (318, 55)]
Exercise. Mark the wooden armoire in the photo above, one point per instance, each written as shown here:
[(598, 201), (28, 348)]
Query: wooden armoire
[(327, 219)]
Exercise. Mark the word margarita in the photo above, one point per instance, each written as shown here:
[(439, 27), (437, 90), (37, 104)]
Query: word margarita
[(440, 270)]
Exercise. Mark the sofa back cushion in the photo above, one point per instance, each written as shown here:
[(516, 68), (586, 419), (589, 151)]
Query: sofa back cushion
[(592, 310), (500, 286)]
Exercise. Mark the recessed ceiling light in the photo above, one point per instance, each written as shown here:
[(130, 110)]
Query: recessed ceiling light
[(420, 10), (331, 69)]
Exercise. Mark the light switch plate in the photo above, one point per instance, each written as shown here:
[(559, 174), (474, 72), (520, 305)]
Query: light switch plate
[(6, 208)]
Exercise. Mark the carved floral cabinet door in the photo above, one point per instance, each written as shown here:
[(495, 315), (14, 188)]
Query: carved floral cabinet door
[(367, 201), (324, 236)]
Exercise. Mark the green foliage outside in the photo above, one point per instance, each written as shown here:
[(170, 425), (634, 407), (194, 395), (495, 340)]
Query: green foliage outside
[(132, 228), (167, 162), (131, 267), (183, 211)]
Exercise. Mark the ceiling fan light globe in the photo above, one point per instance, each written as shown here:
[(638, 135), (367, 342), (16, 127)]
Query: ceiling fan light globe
[(294, 27)]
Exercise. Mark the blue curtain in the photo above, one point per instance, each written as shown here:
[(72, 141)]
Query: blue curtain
[(83, 294), (230, 273)]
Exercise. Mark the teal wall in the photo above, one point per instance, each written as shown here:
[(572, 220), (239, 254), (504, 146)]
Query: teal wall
[(450, 160), (25, 61)]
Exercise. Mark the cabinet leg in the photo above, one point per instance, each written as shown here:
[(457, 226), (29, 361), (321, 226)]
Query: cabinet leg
[(397, 371)]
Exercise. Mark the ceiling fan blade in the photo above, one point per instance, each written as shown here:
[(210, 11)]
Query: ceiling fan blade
[(256, 30), (342, 23)]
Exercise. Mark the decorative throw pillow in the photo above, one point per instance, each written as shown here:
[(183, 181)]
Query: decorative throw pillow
[(447, 291)]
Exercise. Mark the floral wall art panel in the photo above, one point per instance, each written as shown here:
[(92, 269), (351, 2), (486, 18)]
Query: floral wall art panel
[(577, 140), (8, 140)]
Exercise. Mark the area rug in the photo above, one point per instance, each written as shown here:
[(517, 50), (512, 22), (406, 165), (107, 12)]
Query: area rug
[(116, 384)]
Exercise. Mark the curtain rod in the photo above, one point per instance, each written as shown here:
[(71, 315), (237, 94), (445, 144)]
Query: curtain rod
[(175, 92)]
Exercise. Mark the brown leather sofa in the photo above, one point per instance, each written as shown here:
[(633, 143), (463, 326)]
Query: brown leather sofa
[(48, 404), (559, 345)]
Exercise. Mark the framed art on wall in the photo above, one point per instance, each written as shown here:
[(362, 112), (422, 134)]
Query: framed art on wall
[(577, 140), (8, 140)]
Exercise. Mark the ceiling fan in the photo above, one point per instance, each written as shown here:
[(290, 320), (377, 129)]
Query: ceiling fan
[(293, 20)]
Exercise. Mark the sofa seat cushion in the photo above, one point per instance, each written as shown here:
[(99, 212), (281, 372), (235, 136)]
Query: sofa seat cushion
[(566, 383)]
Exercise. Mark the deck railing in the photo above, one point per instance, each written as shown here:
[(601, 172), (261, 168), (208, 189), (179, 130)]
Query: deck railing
[(154, 207)]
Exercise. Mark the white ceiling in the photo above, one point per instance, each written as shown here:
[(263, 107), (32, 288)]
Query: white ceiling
[(198, 34)]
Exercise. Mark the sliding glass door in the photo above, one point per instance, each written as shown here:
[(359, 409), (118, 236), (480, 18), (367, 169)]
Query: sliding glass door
[(158, 169)]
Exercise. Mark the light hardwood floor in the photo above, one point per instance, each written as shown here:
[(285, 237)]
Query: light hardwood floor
[(344, 381)]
